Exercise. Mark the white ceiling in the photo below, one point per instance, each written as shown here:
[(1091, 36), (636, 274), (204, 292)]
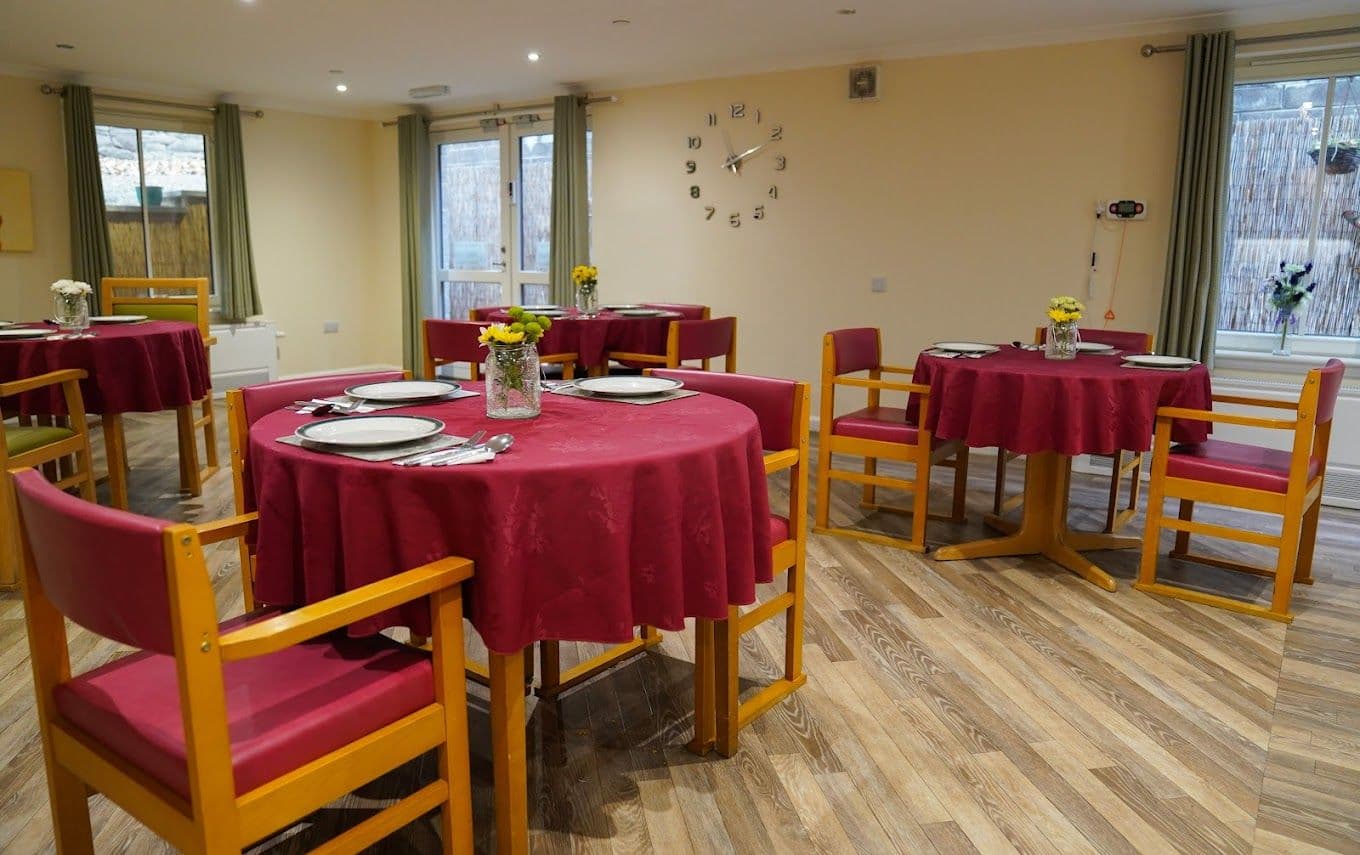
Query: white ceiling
[(279, 52)]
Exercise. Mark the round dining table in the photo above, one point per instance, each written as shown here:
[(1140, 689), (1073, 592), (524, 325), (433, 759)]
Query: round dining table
[(1051, 410), (140, 367), (594, 338), (601, 517)]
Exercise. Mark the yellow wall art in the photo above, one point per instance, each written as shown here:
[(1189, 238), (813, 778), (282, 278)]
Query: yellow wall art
[(16, 212)]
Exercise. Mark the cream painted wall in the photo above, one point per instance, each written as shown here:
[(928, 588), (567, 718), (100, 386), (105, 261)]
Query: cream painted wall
[(970, 185), (385, 257), (316, 217), (31, 139)]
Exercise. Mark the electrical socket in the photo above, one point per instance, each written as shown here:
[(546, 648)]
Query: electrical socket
[(878, 284), (330, 327)]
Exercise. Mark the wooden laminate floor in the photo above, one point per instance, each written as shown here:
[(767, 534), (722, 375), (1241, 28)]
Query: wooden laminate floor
[(988, 706)]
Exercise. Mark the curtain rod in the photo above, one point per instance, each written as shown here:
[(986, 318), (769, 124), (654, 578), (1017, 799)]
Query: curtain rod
[(1150, 50), (48, 89), (497, 111)]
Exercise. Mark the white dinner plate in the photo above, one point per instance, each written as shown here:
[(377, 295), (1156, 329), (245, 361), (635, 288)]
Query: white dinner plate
[(538, 310), (641, 313), (369, 431), (549, 313), (403, 390), (619, 307), (6, 323), (1094, 346), (117, 319), (964, 347), (24, 333), (1160, 361), (627, 387)]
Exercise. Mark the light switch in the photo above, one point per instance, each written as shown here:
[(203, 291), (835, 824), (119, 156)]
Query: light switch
[(878, 284), (330, 327)]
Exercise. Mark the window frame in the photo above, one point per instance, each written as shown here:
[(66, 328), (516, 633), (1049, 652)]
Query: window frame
[(174, 124), (1252, 350)]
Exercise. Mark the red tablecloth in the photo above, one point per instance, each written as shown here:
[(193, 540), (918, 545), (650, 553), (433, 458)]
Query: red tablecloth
[(134, 368), (594, 338), (1018, 400), (601, 517)]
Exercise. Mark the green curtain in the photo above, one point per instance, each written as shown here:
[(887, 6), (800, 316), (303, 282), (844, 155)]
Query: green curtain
[(1195, 252), (413, 180), (236, 285), (91, 259), (570, 214)]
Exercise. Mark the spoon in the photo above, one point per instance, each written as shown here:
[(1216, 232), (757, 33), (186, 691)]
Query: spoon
[(496, 444)]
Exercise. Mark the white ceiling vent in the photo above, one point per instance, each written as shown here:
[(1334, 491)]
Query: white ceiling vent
[(863, 83)]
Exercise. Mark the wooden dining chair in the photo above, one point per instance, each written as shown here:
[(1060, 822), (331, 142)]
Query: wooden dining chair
[(689, 341), (61, 449), (482, 314), (1251, 477), (213, 735), (175, 300), (690, 311), (781, 408), (876, 432), (447, 342), (245, 406), (1116, 517)]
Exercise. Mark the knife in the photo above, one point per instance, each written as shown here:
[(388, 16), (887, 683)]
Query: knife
[(421, 456)]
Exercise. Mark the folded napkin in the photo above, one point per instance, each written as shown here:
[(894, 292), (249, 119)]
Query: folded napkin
[(312, 406), (575, 392), (378, 455)]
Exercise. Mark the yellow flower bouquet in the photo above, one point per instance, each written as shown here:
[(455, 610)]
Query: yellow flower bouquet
[(1062, 339), (512, 381), (585, 277)]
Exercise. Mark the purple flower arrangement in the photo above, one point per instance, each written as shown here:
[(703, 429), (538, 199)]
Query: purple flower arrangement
[(1288, 290)]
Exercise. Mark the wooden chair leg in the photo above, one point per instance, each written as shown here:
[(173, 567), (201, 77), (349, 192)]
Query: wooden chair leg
[(247, 573), (1152, 531), (999, 490), (793, 621), (705, 711), (1283, 590), (726, 674), (209, 432), (451, 689), (920, 499), (869, 493), (1308, 543), (823, 507), (549, 665), (1186, 513), (70, 811), (189, 473), (9, 540)]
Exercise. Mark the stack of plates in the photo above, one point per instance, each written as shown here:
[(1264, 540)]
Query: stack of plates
[(403, 391), (369, 431), (627, 387)]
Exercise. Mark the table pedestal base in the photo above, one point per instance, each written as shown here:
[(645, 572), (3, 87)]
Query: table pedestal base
[(1043, 527)]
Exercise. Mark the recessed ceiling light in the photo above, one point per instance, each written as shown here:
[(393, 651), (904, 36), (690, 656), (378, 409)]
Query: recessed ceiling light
[(845, 11), (340, 87), (533, 56), (621, 22), (65, 46)]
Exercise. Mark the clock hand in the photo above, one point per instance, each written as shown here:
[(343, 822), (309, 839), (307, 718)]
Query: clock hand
[(734, 162)]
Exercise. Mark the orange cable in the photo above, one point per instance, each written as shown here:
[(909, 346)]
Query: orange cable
[(1114, 283)]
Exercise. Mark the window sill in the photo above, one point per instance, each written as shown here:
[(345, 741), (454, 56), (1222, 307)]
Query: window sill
[(1255, 360)]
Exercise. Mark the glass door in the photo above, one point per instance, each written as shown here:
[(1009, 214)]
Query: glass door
[(493, 216)]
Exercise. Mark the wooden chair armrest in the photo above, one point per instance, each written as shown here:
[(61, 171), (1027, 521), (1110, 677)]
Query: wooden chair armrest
[(209, 341), (225, 529), (776, 461), (51, 378), (1244, 401), (637, 357), (1225, 418), (555, 358), (896, 369), (286, 630), (917, 388)]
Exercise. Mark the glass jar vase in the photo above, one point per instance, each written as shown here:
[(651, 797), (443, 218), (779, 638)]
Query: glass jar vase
[(1061, 342), (587, 301), (513, 387), (72, 313), (1282, 327)]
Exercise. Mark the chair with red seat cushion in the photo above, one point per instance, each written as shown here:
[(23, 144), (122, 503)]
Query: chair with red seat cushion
[(691, 341), (482, 314), (458, 341), (690, 311), (1287, 483), (878, 432), (216, 736), (781, 408), (245, 406), (1121, 466)]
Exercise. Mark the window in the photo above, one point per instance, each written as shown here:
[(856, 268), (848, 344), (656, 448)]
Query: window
[(494, 216), (156, 199), (1294, 189)]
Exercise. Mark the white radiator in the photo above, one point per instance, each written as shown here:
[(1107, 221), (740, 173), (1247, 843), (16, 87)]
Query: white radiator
[(245, 354)]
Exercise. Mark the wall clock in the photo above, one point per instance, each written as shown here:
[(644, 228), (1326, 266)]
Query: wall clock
[(734, 163)]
